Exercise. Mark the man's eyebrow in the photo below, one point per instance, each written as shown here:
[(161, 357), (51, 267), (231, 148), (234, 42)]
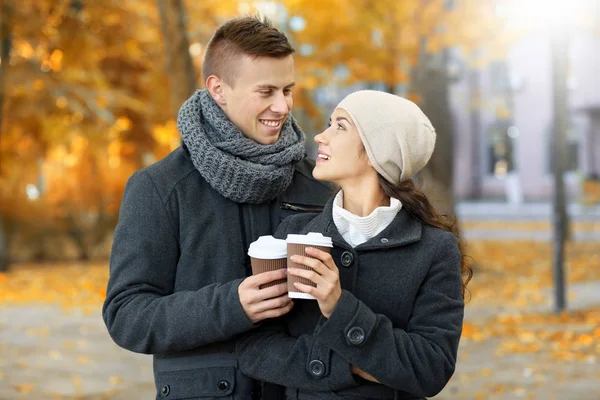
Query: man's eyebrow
[(273, 87)]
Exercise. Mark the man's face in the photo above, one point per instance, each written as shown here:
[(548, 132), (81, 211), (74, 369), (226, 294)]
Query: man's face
[(260, 97)]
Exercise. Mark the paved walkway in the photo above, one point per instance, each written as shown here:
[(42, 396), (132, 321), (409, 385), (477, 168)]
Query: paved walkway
[(544, 235), (474, 210), (48, 354), (476, 214), (484, 374)]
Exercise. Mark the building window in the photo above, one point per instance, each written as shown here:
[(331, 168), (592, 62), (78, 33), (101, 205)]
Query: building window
[(572, 161), (500, 149)]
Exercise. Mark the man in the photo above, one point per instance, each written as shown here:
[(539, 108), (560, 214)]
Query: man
[(178, 262)]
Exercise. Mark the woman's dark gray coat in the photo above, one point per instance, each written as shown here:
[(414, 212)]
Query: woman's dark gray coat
[(178, 258), (399, 318)]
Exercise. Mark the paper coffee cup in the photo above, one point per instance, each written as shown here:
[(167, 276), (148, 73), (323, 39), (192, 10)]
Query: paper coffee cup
[(268, 254), (297, 244)]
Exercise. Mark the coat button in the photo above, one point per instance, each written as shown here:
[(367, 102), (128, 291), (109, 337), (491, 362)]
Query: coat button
[(347, 259), (356, 335), (164, 392), (223, 386), (317, 368), (384, 240)]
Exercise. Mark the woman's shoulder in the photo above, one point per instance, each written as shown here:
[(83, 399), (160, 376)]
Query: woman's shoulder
[(433, 234)]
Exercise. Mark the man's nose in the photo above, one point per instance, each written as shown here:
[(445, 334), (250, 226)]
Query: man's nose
[(280, 105)]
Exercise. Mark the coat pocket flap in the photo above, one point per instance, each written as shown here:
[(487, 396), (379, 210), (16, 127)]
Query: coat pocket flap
[(195, 383)]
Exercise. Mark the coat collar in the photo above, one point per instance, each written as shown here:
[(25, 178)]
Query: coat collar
[(403, 230)]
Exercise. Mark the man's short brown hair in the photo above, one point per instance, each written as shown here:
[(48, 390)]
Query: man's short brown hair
[(253, 36)]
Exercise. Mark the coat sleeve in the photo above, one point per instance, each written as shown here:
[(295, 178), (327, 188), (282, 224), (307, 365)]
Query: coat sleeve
[(141, 311), (419, 360), (270, 354)]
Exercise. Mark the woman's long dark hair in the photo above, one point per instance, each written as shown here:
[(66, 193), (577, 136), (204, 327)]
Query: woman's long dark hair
[(418, 205)]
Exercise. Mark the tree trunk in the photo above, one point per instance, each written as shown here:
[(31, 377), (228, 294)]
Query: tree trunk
[(180, 69), (78, 236), (432, 86), (559, 74), (5, 47), (3, 248), (475, 128)]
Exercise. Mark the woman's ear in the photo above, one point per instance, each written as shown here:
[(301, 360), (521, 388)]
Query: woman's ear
[(216, 89)]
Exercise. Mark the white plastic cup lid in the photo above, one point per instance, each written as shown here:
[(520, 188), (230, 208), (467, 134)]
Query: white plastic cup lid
[(268, 248), (310, 239)]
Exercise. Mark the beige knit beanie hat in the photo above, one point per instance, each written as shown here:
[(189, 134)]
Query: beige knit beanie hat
[(398, 137)]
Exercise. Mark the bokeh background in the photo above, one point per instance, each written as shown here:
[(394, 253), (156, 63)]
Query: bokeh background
[(89, 93)]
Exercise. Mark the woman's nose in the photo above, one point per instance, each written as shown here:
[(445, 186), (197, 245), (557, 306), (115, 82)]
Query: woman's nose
[(320, 138)]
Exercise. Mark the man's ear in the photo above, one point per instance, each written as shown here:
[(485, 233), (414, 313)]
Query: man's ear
[(216, 90)]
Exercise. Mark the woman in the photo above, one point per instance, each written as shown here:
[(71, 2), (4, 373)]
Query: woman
[(389, 309)]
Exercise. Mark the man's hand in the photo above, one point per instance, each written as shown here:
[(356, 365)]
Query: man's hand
[(357, 371), (270, 302)]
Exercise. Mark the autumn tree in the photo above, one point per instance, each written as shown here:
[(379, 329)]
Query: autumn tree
[(84, 99), (179, 66), (5, 47), (87, 102), (401, 47)]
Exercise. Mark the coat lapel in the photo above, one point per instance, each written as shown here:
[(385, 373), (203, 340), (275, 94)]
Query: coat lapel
[(403, 230)]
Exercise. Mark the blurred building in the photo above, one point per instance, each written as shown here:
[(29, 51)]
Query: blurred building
[(504, 122)]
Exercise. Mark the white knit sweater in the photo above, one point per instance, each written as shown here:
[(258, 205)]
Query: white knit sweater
[(357, 230)]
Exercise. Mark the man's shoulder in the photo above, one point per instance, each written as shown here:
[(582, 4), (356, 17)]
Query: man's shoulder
[(299, 222), (304, 168), (295, 224), (170, 171), (305, 189)]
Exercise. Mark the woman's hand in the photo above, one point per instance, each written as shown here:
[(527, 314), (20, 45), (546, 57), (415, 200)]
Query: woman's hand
[(357, 371), (325, 275)]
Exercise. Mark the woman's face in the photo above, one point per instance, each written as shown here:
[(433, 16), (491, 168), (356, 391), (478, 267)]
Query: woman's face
[(341, 157)]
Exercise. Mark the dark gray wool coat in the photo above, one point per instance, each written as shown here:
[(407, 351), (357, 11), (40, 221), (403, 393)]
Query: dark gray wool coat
[(178, 258), (399, 318)]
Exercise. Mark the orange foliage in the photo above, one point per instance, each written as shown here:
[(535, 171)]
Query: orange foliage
[(591, 191), (68, 285), (83, 90), (381, 41), (515, 273)]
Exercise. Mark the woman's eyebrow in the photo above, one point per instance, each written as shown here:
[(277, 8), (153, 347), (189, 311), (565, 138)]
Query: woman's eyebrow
[(344, 119)]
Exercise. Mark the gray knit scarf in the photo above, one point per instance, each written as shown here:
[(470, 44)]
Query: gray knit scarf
[(237, 167)]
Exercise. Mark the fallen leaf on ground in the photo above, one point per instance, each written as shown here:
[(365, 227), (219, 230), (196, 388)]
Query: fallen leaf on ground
[(115, 380), (25, 388)]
